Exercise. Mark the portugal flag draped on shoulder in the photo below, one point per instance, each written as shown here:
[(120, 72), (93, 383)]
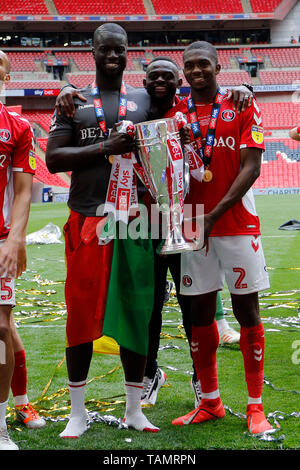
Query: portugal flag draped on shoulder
[(130, 294), (109, 288)]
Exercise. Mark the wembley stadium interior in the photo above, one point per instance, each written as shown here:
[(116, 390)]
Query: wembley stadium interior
[(49, 43)]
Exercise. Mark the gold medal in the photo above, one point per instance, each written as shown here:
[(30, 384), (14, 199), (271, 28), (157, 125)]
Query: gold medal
[(111, 159), (207, 176)]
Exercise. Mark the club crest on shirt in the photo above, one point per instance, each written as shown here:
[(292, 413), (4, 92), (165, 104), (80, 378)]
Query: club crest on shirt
[(228, 115), (132, 106), (257, 134), (187, 281), (4, 135)]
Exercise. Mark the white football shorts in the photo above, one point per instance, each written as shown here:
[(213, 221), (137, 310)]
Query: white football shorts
[(7, 291), (237, 259)]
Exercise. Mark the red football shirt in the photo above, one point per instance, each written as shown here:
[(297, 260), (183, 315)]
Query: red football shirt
[(233, 132), (16, 154)]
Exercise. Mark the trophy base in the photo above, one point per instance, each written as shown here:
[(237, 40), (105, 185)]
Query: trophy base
[(175, 250)]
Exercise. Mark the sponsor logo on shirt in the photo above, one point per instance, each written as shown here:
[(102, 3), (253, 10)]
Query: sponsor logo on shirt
[(228, 142), (32, 160), (257, 134), (228, 115), (4, 135)]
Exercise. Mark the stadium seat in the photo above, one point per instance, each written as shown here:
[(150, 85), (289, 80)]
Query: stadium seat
[(197, 6), (280, 56), (25, 7), (268, 77), (99, 7), (281, 168), (279, 115), (259, 6), (42, 117), (25, 61), (42, 174)]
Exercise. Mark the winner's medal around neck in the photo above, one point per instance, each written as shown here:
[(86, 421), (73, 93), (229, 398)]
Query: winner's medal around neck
[(207, 176), (205, 153)]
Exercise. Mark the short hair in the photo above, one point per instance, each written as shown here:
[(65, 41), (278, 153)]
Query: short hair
[(111, 28), (202, 45), (7, 60), (164, 58)]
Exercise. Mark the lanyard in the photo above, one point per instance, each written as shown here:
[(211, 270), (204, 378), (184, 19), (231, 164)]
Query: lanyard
[(206, 152), (99, 109)]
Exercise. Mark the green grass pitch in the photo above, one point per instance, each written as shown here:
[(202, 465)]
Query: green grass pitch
[(40, 316)]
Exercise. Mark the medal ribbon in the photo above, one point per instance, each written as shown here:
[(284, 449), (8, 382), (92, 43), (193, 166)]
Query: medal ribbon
[(99, 109), (206, 152), (122, 187)]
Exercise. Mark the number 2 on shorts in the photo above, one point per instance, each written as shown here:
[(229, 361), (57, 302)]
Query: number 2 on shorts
[(239, 282)]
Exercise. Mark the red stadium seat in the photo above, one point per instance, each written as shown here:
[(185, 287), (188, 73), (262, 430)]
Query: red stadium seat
[(100, 7), (264, 5), (281, 56), (268, 77), (25, 7), (164, 7)]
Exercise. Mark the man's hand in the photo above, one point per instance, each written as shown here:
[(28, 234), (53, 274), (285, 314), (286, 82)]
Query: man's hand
[(12, 259), (185, 135), (65, 101), (118, 143), (242, 97)]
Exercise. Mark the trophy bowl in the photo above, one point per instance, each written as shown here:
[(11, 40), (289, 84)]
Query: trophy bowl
[(152, 145)]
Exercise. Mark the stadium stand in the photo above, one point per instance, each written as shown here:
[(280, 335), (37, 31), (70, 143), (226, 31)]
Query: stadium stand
[(279, 65), (16, 7), (136, 79), (197, 6), (259, 6), (279, 115), (280, 56), (268, 77), (42, 174), (53, 84), (278, 172), (100, 7), (25, 61), (42, 117)]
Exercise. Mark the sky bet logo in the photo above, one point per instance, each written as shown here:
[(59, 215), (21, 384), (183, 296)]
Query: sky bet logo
[(210, 140), (195, 127), (99, 112)]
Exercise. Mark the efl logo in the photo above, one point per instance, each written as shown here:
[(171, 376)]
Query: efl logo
[(228, 115), (4, 135)]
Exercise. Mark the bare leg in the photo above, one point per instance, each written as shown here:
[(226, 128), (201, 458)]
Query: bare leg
[(6, 352)]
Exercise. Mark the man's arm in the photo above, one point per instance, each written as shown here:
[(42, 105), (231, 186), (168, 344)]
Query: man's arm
[(13, 250), (250, 158), (295, 133), (62, 156)]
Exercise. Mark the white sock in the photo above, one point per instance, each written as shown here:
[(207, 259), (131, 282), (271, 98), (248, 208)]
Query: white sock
[(21, 400), (254, 401), (77, 424), (212, 395), (134, 416), (3, 407), (222, 325)]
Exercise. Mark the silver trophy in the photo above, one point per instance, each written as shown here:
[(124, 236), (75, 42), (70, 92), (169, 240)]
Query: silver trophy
[(151, 140)]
